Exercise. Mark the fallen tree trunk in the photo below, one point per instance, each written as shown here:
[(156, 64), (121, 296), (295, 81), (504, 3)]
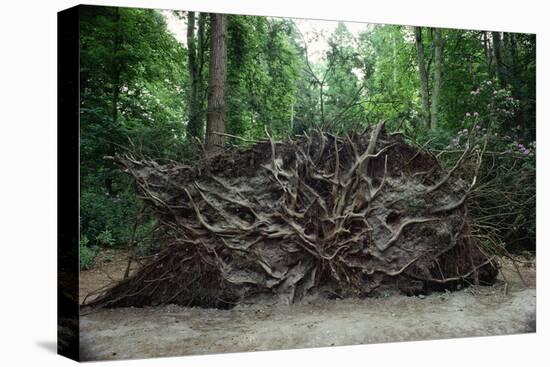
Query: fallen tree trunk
[(343, 215)]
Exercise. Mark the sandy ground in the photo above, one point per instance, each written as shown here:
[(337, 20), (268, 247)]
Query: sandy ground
[(109, 267), (173, 330)]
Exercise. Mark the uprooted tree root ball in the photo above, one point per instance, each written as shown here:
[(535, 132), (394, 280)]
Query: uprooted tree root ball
[(346, 216)]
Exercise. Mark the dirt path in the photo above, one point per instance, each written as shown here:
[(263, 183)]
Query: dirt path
[(109, 266), (173, 330)]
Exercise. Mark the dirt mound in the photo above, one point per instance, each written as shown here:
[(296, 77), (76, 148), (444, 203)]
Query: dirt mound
[(338, 215)]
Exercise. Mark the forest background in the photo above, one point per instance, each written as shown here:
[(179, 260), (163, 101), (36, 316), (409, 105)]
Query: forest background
[(145, 89)]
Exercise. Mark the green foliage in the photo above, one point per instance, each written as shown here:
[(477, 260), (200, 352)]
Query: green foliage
[(133, 80), (102, 212), (503, 202), (87, 255), (263, 66), (391, 77), (105, 238), (134, 91), (344, 87)]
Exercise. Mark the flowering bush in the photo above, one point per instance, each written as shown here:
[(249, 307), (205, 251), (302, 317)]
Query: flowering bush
[(493, 103), (502, 203), (504, 200)]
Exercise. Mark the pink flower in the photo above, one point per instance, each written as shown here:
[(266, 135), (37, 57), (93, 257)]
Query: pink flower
[(468, 114), (526, 151), (476, 114), (465, 131)]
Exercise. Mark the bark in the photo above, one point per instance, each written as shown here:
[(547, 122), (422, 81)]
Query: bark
[(216, 84), (487, 51), (497, 50), (423, 75), (321, 99), (292, 117), (514, 78), (438, 50), (117, 42), (201, 51), (394, 58), (506, 55), (194, 128), (195, 56), (115, 82)]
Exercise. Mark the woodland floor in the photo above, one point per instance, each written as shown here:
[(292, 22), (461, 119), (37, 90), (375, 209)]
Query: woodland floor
[(124, 333)]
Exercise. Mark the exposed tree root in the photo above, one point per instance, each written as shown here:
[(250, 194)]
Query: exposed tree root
[(346, 215)]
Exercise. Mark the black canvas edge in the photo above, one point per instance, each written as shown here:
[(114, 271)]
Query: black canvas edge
[(68, 101)]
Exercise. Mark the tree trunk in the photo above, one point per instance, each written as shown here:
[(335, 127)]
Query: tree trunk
[(487, 51), (500, 68), (423, 76), (514, 79), (115, 94), (394, 58), (115, 77), (195, 56), (202, 47), (216, 84), (321, 99), (193, 126), (438, 49), (292, 118)]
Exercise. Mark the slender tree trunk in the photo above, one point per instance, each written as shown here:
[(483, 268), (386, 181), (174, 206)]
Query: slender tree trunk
[(394, 58), (512, 60), (194, 128), (514, 71), (506, 55), (438, 50), (117, 43), (195, 57), (514, 79), (423, 76), (497, 50), (216, 84), (200, 73), (487, 51), (322, 101), (115, 94), (514, 54), (292, 117)]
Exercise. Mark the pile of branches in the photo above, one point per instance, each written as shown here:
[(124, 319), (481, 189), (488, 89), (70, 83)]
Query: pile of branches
[(342, 216)]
